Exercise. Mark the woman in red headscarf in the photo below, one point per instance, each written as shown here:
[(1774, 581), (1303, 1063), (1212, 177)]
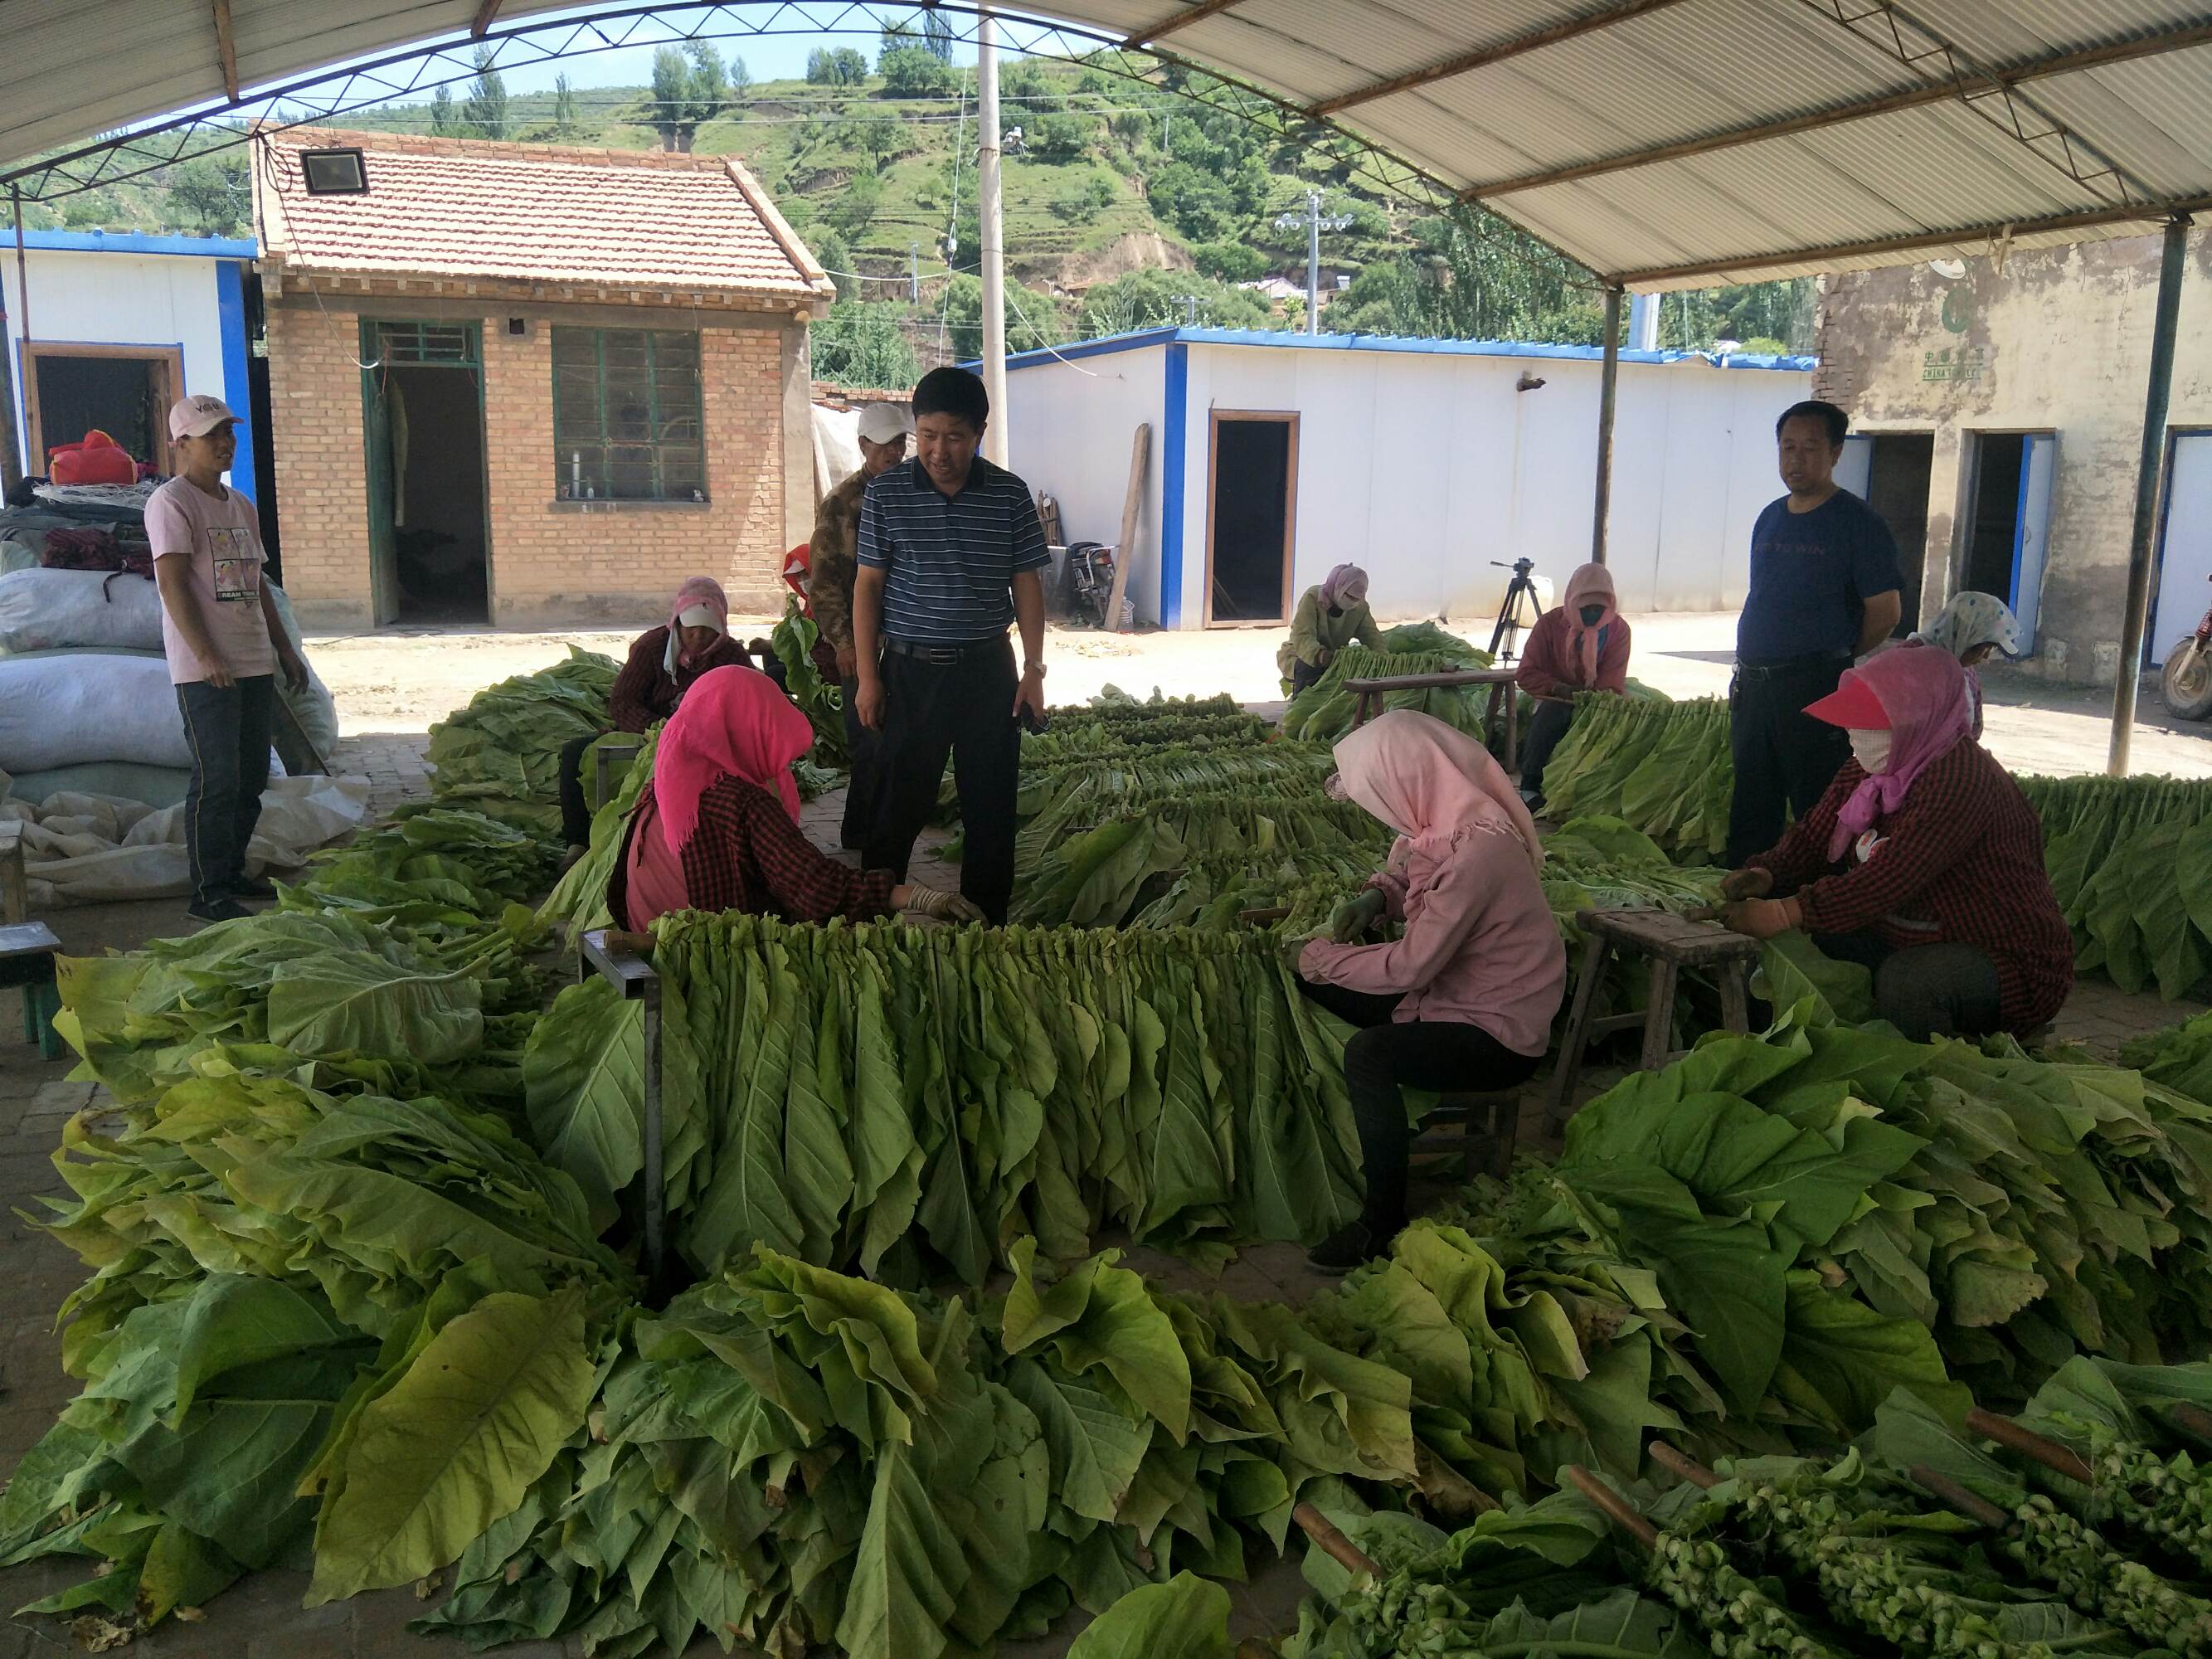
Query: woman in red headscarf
[(1923, 861), (1581, 644), (718, 827), (663, 664)]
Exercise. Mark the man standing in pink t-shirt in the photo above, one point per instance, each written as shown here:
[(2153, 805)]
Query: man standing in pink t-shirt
[(224, 642)]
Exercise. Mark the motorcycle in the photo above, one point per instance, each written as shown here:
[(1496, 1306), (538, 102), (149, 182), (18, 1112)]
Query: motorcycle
[(2186, 684), (1090, 584)]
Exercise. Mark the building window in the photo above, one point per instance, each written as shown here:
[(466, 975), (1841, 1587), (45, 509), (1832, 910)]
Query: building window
[(626, 415)]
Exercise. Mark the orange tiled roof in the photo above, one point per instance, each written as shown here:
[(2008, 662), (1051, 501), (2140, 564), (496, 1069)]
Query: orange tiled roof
[(469, 208)]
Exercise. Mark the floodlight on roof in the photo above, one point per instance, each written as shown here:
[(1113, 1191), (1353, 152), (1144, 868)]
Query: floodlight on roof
[(339, 171)]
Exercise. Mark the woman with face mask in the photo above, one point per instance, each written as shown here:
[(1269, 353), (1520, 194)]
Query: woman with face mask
[(1923, 862), (1973, 628), (1332, 614), (1581, 646), (1465, 998)]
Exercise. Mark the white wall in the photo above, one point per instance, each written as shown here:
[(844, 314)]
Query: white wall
[(1424, 467), (1068, 434), (119, 299)]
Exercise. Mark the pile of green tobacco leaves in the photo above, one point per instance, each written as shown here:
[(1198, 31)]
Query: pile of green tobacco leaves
[(2130, 861), (501, 755), (1324, 711), (821, 700), (1661, 768)]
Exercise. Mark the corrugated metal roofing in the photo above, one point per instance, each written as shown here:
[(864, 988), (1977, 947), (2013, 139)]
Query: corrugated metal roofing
[(1665, 143), (1145, 338)]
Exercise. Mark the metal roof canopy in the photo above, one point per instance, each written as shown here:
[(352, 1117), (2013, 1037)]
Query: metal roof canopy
[(1663, 143)]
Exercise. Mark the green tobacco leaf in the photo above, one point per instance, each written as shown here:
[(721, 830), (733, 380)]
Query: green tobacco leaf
[(455, 1443), (583, 1077), (909, 1572), (1842, 1359), (1094, 1444), (1186, 1618), (233, 1320), (356, 1003), (1102, 1316)]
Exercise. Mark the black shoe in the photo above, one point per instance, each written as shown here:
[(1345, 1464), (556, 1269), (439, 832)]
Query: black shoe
[(217, 909), (253, 887), (1342, 1250)]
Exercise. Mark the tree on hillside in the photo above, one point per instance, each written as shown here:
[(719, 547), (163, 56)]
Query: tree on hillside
[(483, 111), (444, 123), (690, 88), (855, 210), (739, 79), (936, 35), (1060, 138), (1033, 318), (912, 71), (1154, 298), (830, 251), (212, 188), (840, 66), (564, 106), (876, 136), (896, 37), (860, 343)]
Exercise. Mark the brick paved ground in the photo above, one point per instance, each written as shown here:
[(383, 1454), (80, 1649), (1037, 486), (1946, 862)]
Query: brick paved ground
[(262, 1618)]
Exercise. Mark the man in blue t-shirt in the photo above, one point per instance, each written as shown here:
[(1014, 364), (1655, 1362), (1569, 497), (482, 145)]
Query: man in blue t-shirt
[(1824, 591)]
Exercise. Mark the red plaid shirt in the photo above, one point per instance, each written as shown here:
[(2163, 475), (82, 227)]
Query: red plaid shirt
[(645, 691), (747, 854), (1960, 862)]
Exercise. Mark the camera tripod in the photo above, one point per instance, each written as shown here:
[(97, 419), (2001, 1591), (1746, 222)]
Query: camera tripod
[(1509, 624)]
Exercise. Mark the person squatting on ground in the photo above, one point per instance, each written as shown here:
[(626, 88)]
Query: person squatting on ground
[(950, 550), (1465, 998), (1332, 614), (225, 644), (717, 828), (664, 663), (1580, 645), (1921, 861)]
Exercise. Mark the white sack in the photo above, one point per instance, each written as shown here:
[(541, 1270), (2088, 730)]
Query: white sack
[(93, 850), (62, 711), (47, 610)]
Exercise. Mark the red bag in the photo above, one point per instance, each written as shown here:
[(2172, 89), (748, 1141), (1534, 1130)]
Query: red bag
[(96, 460)]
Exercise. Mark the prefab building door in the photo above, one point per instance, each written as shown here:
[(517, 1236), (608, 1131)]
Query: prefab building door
[(2184, 546), (423, 435), (1251, 517), (2008, 523)]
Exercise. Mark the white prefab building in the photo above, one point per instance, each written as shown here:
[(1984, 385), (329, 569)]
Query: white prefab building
[(1276, 456)]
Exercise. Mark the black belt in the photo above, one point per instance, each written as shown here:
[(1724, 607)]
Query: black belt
[(942, 654), (1792, 666)]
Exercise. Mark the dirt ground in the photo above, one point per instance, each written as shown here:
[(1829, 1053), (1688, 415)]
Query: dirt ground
[(399, 680)]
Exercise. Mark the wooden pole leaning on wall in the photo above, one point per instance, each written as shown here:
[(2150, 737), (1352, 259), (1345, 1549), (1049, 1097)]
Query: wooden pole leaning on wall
[(1609, 387), (13, 461), (2142, 544), (1132, 500)]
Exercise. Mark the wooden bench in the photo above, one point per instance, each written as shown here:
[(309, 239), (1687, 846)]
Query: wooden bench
[(1478, 1127), (27, 950), (1369, 694), (1672, 944)]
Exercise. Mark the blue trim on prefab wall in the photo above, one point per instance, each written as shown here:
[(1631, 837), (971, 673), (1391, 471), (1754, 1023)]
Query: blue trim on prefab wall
[(133, 242), (1174, 421), (237, 381)]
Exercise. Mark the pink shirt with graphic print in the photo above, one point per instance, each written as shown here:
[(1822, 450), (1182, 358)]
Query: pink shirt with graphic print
[(222, 538)]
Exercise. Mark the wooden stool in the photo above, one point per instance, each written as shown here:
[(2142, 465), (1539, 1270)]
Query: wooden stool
[(27, 951), (1368, 694), (1673, 943), (1489, 1126)]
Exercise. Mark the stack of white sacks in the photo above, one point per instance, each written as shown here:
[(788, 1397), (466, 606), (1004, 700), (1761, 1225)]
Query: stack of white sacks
[(93, 757)]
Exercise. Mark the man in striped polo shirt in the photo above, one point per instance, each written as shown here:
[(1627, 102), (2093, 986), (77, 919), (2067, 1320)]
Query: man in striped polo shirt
[(950, 549)]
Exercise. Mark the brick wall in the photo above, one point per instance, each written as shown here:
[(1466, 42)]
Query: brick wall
[(315, 388), (551, 562)]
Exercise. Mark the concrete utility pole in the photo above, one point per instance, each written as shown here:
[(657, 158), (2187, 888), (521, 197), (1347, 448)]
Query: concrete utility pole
[(1643, 321), (1607, 390), (914, 273), (1312, 219), (994, 239)]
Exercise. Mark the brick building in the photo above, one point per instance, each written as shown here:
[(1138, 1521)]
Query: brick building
[(532, 385), (1997, 411)]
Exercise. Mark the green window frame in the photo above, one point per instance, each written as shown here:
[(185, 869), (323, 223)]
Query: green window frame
[(628, 416)]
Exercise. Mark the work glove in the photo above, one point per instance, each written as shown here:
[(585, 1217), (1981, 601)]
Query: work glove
[(1356, 917), (1747, 884), (941, 906)]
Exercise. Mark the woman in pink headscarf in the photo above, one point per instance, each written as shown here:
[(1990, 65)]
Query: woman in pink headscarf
[(1581, 645), (663, 664), (1465, 998), (1923, 861), (718, 827), (1332, 615)]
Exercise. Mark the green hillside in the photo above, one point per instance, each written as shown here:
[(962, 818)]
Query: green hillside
[(1128, 204)]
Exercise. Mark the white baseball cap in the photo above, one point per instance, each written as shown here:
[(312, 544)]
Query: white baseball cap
[(195, 417), (883, 423)]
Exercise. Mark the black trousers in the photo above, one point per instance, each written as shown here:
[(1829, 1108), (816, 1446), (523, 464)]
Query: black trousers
[(1927, 990), (860, 791), (964, 708), (226, 728), (1303, 674), (575, 810), (1382, 1058), (1784, 759), (1546, 727)]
